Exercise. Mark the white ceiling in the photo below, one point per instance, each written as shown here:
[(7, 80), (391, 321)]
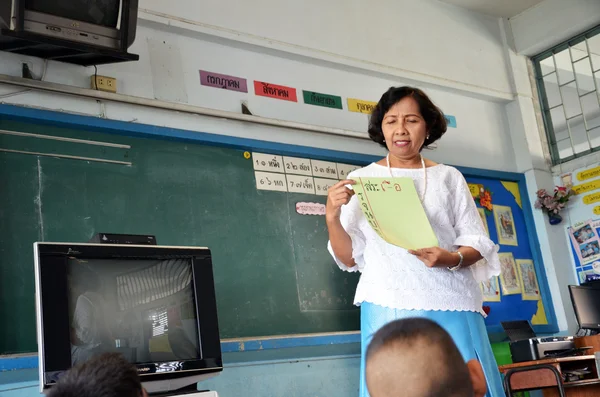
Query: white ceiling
[(497, 8)]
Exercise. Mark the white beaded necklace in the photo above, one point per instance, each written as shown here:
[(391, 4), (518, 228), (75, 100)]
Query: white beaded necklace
[(387, 159)]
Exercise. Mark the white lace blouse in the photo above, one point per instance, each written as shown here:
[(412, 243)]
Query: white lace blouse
[(392, 277)]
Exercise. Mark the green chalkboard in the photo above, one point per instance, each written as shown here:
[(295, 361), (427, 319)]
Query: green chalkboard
[(273, 274)]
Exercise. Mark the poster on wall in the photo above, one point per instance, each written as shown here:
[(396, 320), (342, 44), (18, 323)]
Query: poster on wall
[(490, 290), (589, 272), (505, 225), (585, 242), (583, 211), (531, 290), (509, 274)]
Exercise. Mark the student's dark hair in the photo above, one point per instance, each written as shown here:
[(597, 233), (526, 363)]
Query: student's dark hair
[(107, 375), (407, 332), (433, 116)]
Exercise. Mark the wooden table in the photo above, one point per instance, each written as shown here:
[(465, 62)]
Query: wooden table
[(531, 381)]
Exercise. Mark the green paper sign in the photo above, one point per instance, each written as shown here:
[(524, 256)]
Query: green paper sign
[(318, 99)]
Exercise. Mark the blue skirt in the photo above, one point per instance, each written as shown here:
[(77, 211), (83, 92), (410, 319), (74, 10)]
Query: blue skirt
[(466, 328)]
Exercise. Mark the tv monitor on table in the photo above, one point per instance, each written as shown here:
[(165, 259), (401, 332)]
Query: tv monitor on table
[(586, 302), (154, 304)]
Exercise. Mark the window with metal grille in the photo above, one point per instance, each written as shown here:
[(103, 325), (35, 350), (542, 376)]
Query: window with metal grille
[(568, 82)]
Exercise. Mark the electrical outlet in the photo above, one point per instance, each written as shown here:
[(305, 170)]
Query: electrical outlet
[(104, 83)]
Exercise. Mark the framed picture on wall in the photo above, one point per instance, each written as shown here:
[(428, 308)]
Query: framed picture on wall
[(509, 276), (484, 220), (490, 290), (505, 225), (531, 289)]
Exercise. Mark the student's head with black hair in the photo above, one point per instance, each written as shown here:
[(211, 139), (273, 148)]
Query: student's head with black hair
[(416, 357), (106, 375)]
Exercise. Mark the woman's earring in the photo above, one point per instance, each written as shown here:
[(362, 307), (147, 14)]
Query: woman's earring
[(427, 136), (384, 140)]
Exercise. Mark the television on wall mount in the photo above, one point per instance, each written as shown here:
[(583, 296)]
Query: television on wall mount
[(84, 32)]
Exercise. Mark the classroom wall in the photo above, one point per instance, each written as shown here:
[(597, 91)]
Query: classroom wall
[(315, 377), (552, 22), (169, 67), (173, 47), (467, 62), (463, 49)]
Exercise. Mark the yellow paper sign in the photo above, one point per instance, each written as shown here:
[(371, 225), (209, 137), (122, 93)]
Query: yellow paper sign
[(588, 174), (597, 210), (360, 106), (591, 198), (393, 209), (475, 189), (587, 187)]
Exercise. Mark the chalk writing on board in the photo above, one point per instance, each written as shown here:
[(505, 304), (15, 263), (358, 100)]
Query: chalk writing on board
[(267, 162), (300, 184), (345, 169), (323, 185), (324, 169), (270, 181), (294, 165)]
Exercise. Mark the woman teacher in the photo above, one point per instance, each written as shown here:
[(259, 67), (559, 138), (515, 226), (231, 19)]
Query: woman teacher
[(439, 283)]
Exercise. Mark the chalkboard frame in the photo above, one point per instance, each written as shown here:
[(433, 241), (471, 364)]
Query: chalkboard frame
[(90, 123)]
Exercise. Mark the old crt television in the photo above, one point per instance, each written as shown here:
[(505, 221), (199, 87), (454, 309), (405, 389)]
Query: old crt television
[(586, 303), (154, 304), (93, 22)]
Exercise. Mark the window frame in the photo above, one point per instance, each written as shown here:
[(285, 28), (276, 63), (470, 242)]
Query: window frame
[(543, 98)]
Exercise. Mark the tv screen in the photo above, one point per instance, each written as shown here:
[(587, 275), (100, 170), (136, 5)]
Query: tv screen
[(97, 12), (586, 302), (154, 305), (144, 309)]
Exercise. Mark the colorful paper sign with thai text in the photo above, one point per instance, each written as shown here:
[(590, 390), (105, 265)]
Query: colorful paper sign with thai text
[(588, 174), (275, 91), (223, 81), (360, 106), (325, 100), (587, 187)]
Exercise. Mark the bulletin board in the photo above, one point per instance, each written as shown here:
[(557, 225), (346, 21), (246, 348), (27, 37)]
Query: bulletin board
[(583, 213), (520, 292)]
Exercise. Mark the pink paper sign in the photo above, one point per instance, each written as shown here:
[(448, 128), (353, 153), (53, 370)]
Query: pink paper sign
[(223, 81), (310, 208)]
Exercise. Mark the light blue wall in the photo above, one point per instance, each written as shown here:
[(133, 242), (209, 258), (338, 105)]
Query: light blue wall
[(313, 377)]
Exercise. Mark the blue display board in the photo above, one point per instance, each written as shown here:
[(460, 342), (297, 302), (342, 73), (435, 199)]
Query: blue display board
[(513, 238)]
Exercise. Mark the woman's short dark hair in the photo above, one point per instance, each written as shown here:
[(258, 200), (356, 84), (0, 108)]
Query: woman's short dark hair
[(433, 116)]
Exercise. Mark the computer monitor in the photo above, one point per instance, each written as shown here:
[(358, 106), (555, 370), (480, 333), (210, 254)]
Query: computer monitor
[(586, 302), (153, 304)]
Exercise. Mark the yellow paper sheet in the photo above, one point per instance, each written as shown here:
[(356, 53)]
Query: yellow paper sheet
[(393, 208)]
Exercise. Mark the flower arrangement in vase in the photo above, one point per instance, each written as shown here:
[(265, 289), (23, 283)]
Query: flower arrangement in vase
[(554, 204)]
